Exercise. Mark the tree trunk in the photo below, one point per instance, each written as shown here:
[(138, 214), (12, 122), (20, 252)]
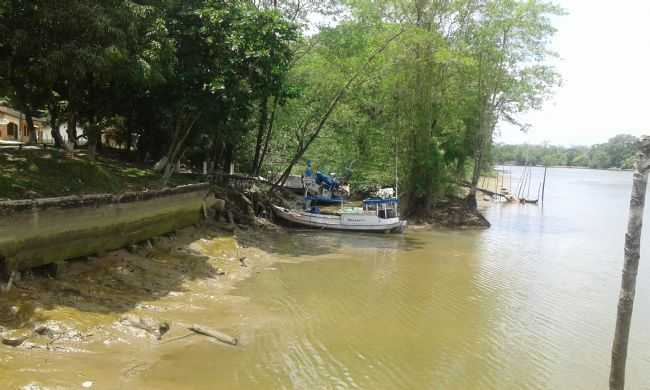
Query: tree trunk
[(182, 129), (630, 266), (54, 124), (33, 139), (92, 135), (56, 135), (217, 154), (228, 153), (261, 128), (72, 129), (141, 147), (470, 200), (269, 135), (129, 143), (168, 172), (98, 139)]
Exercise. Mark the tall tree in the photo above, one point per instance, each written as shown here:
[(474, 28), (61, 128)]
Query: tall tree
[(510, 47), (314, 124), (230, 55)]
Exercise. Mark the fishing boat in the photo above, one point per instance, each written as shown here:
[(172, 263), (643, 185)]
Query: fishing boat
[(376, 215)]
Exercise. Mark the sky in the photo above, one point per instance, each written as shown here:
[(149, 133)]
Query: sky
[(604, 49)]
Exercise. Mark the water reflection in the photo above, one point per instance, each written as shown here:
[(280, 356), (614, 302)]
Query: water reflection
[(312, 242)]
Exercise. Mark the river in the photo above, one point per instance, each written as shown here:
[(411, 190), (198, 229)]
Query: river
[(528, 304)]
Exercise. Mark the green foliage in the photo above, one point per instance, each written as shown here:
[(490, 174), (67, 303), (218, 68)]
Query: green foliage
[(173, 71), (397, 86), (618, 152), (432, 98)]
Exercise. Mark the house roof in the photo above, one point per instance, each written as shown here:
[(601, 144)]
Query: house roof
[(10, 111)]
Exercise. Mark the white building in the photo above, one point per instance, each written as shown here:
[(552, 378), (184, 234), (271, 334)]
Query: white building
[(63, 130)]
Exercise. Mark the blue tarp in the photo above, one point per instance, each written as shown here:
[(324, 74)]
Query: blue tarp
[(326, 181)]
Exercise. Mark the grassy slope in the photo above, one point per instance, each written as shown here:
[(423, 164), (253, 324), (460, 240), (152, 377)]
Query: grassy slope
[(38, 173)]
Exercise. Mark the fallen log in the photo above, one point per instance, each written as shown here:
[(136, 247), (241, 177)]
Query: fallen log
[(224, 338)]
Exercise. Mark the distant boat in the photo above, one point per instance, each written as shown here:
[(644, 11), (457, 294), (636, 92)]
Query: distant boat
[(376, 215)]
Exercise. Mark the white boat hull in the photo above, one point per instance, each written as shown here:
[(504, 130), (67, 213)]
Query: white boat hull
[(345, 221)]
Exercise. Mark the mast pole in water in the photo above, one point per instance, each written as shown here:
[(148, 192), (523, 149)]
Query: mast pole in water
[(509, 179), (543, 185), (530, 179), (630, 266)]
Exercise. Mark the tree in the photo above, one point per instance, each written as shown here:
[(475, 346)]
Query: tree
[(230, 55), (511, 50), (25, 77), (235, 81), (311, 128), (620, 148), (630, 266)]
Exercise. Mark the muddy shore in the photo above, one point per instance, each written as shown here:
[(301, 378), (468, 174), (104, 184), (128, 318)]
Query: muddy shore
[(90, 306)]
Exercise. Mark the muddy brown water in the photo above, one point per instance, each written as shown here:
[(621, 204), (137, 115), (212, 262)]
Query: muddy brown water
[(527, 304)]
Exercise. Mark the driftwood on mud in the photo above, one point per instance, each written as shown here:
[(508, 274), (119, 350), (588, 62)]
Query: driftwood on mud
[(224, 338)]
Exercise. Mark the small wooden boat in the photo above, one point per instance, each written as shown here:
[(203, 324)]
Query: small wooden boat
[(377, 215)]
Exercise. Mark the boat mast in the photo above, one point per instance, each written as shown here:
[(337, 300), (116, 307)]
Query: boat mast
[(396, 179)]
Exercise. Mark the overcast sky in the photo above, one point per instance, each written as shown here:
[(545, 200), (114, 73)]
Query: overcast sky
[(605, 65)]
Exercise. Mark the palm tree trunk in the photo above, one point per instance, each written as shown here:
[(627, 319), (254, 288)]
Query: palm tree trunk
[(630, 266)]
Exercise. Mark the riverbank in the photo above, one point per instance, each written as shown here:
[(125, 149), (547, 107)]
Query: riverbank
[(88, 307), (33, 173), (453, 213)]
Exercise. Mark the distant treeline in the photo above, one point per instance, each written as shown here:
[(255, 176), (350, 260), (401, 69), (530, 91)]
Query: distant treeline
[(618, 152)]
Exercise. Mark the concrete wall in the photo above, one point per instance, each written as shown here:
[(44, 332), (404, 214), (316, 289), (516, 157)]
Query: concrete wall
[(39, 232)]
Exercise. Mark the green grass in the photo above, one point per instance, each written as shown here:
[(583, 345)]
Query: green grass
[(39, 173)]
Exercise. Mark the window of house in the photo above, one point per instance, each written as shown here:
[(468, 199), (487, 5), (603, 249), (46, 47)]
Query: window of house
[(12, 130)]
